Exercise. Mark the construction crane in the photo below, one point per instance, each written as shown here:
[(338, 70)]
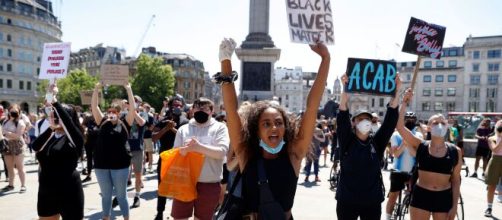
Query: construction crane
[(144, 35)]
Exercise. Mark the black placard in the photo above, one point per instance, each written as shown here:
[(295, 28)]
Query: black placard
[(375, 77), (424, 39)]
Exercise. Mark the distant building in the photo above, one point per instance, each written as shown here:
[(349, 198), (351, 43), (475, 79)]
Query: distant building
[(189, 73), (92, 58), (25, 25)]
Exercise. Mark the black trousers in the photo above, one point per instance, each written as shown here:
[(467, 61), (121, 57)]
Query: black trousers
[(365, 212), (161, 200), (89, 149)]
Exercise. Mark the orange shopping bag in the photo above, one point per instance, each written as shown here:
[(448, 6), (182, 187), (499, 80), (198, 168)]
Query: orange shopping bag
[(179, 174)]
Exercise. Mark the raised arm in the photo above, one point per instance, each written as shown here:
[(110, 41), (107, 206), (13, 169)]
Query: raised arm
[(96, 112), (234, 124), (383, 134), (403, 131), (307, 124), (343, 124), (131, 111)]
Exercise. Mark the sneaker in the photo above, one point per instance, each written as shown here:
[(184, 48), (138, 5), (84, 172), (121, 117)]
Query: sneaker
[(474, 175), (8, 188), (306, 179), (159, 216), (129, 182), (84, 171), (135, 204), (488, 212), (23, 189), (317, 179), (87, 179), (115, 202)]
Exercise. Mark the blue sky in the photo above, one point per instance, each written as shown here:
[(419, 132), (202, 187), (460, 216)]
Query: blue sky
[(363, 28)]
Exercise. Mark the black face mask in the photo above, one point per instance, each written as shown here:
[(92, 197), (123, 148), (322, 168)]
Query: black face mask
[(177, 111), (410, 125), (14, 114), (201, 117), (499, 129)]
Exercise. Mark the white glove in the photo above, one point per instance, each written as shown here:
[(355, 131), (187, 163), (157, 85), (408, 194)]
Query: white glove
[(227, 48)]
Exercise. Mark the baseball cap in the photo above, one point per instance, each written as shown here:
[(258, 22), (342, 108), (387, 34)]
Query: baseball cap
[(362, 112), (137, 98)]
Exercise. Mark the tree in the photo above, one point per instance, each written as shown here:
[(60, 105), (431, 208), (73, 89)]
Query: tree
[(153, 80), (69, 87)]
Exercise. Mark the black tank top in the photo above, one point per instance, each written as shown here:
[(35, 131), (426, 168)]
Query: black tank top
[(444, 165), (282, 180)]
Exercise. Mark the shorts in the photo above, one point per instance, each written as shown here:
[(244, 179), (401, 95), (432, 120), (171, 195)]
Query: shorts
[(65, 199), (148, 143), (493, 170), (483, 152), (398, 180), (208, 195), (432, 201), (137, 161)]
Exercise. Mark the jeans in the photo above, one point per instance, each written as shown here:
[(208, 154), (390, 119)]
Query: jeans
[(108, 180), (308, 166)]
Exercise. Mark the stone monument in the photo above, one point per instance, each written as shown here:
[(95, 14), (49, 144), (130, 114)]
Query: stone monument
[(258, 55)]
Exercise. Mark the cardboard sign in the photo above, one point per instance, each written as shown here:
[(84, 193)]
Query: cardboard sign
[(55, 59), (424, 39), (310, 20), (114, 74), (86, 97), (375, 77)]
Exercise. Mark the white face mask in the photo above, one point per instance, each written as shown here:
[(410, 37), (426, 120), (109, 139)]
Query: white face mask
[(439, 130), (364, 126)]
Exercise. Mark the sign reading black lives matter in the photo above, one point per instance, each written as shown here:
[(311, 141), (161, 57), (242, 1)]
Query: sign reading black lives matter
[(310, 20), (375, 77), (424, 39)]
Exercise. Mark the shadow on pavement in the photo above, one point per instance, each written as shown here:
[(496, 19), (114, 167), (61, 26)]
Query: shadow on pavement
[(98, 215), (308, 184), (149, 195)]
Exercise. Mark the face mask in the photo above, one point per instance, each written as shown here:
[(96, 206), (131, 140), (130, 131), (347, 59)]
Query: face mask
[(14, 114), (47, 110), (272, 150), (410, 125), (499, 129), (136, 105), (364, 126), (112, 117), (176, 111), (438, 130), (201, 117)]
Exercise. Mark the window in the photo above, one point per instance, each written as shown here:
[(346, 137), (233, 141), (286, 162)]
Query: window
[(493, 67), (382, 102), (439, 78), (475, 67), (287, 97), (493, 79), (9, 52), (426, 92), (427, 78), (404, 64), (1, 67), (490, 106), (438, 106), (493, 54), (428, 64), (408, 77), (450, 106), (475, 54), (9, 38), (451, 91), (373, 102), (452, 63), (452, 78), (1, 83), (475, 79), (28, 85), (426, 106), (439, 63), (473, 106), (9, 67), (491, 92), (9, 84), (453, 53), (21, 85), (473, 92), (438, 92)]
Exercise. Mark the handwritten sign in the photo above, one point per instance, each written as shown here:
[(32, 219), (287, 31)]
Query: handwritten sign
[(86, 97), (424, 39), (375, 77), (55, 59), (309, 21), (114, 74)]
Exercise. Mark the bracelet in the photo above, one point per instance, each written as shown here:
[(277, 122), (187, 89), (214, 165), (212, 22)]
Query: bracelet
[(219, 78)]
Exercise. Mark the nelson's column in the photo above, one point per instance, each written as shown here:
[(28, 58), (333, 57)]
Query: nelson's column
[(258, 55)]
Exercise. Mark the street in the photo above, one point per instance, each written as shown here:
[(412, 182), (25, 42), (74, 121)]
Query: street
[(313, 200)]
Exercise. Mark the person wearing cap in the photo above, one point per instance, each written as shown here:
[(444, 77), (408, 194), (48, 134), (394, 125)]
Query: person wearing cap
[(360, 191)]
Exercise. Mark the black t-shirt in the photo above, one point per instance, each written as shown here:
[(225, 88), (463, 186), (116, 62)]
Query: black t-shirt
[(92, 132), (167, 140), (148, 133), (111, 151)]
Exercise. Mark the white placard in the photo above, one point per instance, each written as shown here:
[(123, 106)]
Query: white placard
[(55, 60), (310, 20)]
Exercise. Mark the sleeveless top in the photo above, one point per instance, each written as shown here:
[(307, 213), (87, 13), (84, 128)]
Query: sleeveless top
[(444, 165), (281, 177)]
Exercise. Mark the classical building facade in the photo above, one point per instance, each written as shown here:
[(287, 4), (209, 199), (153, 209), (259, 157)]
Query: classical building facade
[(92, 58), (24, 28)]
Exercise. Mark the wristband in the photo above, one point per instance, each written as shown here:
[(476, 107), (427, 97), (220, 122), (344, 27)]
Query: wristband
[(219, 78)]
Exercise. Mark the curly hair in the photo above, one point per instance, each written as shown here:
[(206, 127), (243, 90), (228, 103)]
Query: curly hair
[(251, 127)]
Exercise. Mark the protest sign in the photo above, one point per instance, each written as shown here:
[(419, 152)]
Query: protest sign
[(375, 77), (424, 39), (55, 59), (309, 21), (114, 74), (86, 97)]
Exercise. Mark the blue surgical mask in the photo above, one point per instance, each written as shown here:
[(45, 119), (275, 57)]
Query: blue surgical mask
[(272, 150)]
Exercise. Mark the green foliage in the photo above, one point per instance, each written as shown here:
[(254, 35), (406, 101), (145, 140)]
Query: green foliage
[(153, 80), (70, 86)]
